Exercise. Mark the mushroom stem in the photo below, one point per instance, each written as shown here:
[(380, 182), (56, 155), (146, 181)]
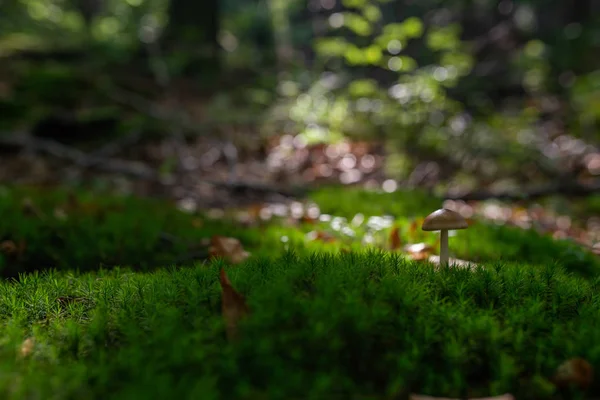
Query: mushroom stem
[(444, 247)]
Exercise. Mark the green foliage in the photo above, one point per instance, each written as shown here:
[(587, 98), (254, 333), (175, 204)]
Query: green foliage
[(586, 98), (400, 108)]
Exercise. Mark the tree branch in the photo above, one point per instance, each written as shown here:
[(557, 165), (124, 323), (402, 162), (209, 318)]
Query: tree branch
[(133, 169)]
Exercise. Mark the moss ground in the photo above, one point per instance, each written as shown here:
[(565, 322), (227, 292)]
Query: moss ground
[(95, 285)]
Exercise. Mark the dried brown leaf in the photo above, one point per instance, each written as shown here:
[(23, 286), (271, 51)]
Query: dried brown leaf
[(9, 247), (27, 347), (418, 251), (322, 236), (576, 371), (395, 241), (228, 248), (233, 306), (413, 231)]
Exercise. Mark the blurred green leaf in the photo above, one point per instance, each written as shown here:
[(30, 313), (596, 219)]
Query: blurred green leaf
[(445, 38), (332, 46), (412, 27), (363, 88), (354, 3), (357, 24), (372, 13)]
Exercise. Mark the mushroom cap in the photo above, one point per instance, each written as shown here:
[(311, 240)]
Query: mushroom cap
[(444, 219)]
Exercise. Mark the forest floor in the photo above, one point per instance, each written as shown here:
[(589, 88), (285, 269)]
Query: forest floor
[(328, 297)]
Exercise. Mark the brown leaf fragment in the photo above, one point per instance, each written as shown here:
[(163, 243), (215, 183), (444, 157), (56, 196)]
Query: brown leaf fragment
[(414, 231), (418, 251), (395, 241), (228, 248), (27, 347), (9, 247), (321, 236), (233, 306), (505, 396), (576, 371)]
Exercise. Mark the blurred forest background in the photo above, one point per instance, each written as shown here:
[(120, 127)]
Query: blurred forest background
[(217, 101)]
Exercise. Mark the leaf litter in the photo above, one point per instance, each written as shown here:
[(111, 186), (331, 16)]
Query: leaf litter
[(233, 306)]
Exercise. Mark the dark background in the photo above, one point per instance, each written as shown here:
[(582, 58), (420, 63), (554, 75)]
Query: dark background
[(470, 99)]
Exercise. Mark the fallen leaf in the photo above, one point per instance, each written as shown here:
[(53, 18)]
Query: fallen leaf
[(575, 371), (254, 211), (322, 236), (414, 231), (395, 241), (506, 396), (229, 248), (308, 220), (9, 247), (418, 251), (27, 347), (233, 306)]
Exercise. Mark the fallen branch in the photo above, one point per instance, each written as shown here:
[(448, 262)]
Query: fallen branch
[(241, 187), (572, 189), (78, 157), (114, 147), (133, 169)]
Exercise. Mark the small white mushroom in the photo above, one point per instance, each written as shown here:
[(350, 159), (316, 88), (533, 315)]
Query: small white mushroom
[(444, 220)]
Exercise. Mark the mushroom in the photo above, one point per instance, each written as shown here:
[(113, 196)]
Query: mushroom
[(444, 220)]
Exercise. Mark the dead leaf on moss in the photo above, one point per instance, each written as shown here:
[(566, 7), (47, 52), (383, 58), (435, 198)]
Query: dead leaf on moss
[(418, 251), (414, 231), (395, 241), (27, 347), (233, 306), (228, 248), (321, 235), (505, 396), (576, 371), (9, 247)]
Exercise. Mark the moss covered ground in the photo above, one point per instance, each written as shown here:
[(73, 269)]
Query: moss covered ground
[(115, 297)]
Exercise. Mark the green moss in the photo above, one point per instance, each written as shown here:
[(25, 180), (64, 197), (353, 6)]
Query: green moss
[(324, 324), (358, 324)]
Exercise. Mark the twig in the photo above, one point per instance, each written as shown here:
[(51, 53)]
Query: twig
[(238, 186), (112, 148), (78, 157)]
